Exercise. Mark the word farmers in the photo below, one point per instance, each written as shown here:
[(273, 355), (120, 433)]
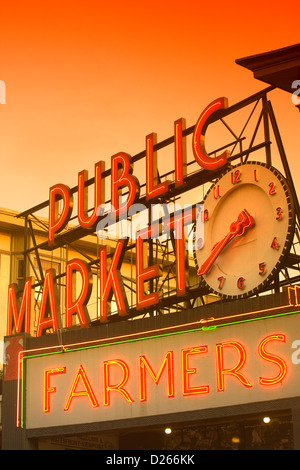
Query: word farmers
[(132, 380)]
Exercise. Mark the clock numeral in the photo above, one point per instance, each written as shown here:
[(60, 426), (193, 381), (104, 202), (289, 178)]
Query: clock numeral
[(255, 176), (262, 268), (221, 281), (236, 177), (217, 192), (272, 189), (279, 213), (241, 283), (275, 244), (204, 215)]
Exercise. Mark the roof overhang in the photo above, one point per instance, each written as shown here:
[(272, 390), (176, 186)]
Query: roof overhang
[(280, 67)]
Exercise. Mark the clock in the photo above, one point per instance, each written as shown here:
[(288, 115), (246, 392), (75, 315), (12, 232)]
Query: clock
[(244, 230)]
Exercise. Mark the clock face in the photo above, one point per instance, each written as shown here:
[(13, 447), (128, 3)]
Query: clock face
[(244, 231)]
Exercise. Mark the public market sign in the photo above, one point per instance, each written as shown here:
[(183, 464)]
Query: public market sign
[(111, 283), (243, 232)]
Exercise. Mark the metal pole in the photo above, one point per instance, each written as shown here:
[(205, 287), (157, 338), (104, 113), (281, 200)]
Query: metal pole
[(284, 161)]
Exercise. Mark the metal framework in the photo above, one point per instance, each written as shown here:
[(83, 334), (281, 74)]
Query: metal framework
[(262, 118)]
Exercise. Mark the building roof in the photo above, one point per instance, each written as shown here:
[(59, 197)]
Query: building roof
[(280, 67)]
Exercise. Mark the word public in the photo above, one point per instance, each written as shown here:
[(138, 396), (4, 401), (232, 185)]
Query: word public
[(61, 197), (122, 177)]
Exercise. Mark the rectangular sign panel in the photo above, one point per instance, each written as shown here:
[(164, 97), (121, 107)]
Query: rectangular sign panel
[(171, 373)]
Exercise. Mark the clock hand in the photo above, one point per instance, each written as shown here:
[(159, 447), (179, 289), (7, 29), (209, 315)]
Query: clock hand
[(238, 228), (247, 222)]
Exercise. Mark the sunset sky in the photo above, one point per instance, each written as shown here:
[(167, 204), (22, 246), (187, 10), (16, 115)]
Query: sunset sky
[(86, 79)]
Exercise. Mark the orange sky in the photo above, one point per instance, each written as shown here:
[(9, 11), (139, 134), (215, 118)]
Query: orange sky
[(86, 79)]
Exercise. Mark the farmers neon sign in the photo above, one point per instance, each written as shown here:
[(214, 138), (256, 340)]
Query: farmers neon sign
[(166, 371), (82, 390)]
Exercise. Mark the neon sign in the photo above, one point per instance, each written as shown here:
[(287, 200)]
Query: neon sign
[(122, 179), (111, 283), (122, 176), (82, 390), (166, 368)]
